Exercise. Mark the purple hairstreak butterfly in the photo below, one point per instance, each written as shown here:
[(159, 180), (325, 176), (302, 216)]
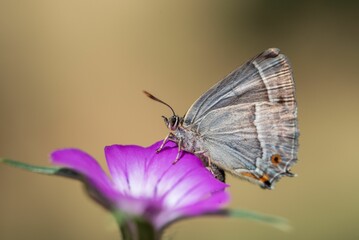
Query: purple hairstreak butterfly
[(246, 124)]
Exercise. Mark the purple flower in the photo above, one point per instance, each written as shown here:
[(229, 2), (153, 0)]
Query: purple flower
[(146, 191), (147, 184)]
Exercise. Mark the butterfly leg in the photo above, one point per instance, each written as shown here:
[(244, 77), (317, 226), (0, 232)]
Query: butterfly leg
[(207, 161), (199, 152), (179, 150), (164, 142), (218, 173)]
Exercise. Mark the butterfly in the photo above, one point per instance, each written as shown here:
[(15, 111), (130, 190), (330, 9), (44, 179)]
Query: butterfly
[(246, 124)]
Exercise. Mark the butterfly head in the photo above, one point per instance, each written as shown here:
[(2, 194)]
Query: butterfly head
[(172, 123)]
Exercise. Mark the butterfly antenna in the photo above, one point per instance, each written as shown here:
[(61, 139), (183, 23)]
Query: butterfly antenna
[(158, 100)]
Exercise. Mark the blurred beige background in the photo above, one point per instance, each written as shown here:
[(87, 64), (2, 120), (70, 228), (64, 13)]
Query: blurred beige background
[(72, 75)]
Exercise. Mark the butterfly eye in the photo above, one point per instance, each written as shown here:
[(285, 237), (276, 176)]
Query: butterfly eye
[(276, 159), (173, 123)]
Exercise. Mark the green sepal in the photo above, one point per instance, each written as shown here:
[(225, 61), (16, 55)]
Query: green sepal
[(57, 171), (274, 221), (63, 172), (31, 168)]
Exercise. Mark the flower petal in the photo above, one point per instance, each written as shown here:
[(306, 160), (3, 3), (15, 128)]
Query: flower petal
[(211, 204), (186, 187), (185, 181), (162, 173), (127, 165), (194, 187), (137, 170), (83, 163)]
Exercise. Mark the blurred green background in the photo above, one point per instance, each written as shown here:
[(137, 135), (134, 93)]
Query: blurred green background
[(72, 75)]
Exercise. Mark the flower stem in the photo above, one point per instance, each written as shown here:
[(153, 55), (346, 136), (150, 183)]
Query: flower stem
[(138, 229)]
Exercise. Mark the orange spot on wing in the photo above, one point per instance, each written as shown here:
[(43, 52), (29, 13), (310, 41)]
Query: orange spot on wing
[(264, 178), (276, 159), (248, 174)]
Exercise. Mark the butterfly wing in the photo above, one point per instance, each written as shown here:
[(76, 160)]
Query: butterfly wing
[(248, 121), (255, 141), (265, 78)]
